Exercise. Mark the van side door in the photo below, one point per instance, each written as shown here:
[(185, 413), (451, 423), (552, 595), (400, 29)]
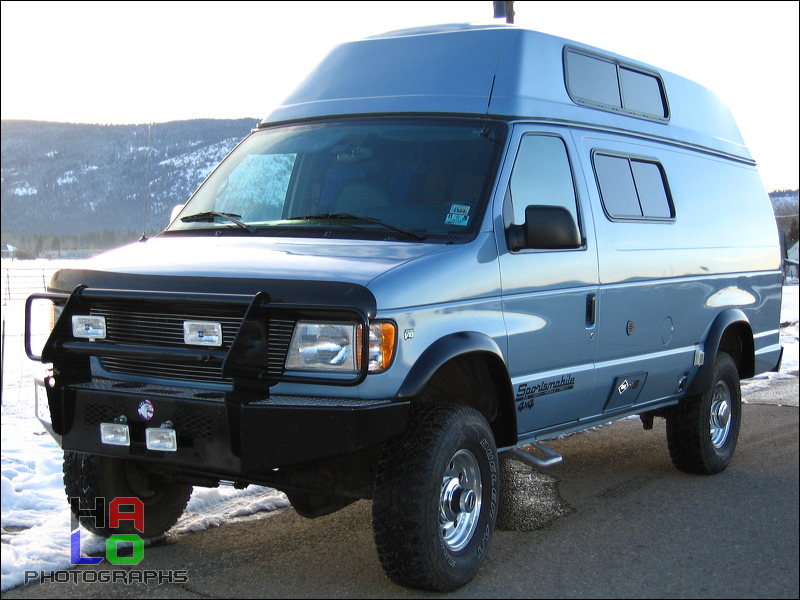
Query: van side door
[(548, 293), (651, 266)]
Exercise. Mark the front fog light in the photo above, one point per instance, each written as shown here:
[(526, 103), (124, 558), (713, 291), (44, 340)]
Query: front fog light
[(162, 439), (115, 434), (202, 333)]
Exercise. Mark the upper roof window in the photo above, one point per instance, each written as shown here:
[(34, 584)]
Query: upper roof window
[(608, 84)]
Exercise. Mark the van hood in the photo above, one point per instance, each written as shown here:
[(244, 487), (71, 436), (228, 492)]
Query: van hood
[(356, 262), (370, 274)]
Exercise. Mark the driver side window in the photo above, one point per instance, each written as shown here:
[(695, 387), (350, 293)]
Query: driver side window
[(542, 176)]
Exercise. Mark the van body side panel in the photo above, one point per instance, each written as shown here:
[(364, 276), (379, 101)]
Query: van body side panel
[(664, 282)]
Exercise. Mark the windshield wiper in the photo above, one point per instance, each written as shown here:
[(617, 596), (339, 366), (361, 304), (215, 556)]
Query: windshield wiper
[(374, 220), (210, 215)]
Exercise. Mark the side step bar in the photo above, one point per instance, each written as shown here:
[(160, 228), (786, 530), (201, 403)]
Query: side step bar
[(550, 459)]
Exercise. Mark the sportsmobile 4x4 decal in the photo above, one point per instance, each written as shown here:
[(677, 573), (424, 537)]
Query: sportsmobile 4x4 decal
[(528, 392)]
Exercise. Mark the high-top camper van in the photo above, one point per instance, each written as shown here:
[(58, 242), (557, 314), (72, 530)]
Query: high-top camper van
[(448, 243)]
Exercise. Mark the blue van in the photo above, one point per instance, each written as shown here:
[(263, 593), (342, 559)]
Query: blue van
[(446, 244)]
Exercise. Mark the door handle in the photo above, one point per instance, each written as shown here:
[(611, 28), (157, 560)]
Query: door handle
[(591, 309)]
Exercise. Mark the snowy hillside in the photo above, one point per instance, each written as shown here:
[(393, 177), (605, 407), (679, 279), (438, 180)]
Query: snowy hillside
[(61, 178)]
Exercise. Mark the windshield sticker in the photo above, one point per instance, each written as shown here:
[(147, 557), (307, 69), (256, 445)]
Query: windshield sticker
[(458, 215)]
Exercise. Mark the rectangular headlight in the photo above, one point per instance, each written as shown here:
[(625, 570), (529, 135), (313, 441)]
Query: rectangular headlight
[(337, 347), (322, 347), (91, 327)]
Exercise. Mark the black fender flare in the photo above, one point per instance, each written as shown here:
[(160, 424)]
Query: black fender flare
[(462, 344), (441, 351), (723, 322)]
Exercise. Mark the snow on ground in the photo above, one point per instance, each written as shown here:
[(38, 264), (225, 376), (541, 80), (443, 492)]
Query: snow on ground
[(789, 341), (35, 513)]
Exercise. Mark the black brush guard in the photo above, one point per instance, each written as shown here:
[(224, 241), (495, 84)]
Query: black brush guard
[(238, 430)]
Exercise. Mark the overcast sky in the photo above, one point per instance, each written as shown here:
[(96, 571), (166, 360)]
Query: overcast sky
[(140, 62)]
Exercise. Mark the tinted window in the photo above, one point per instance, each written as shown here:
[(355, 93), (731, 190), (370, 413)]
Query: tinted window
[(594, 80), (632, 189), (616, 186), (605, 83), (408, 179), (257, 186), (641, 93), (542, 176), (652, 190)]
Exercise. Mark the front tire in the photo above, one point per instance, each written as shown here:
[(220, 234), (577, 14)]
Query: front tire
[(88, 477), (436, 498), (702, 432)]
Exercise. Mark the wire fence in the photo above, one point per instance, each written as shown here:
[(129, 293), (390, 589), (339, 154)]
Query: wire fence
[(18, 280)]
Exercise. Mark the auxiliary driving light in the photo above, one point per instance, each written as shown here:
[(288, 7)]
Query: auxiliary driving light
[(162, 439), (115, 434), (202, 333), (89, 326)]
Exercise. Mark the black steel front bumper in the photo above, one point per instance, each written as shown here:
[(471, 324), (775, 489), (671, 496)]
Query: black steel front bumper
[(228, 437)]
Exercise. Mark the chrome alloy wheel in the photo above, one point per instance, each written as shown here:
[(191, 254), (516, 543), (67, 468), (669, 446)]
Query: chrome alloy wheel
[(460, 500), (720, 418)]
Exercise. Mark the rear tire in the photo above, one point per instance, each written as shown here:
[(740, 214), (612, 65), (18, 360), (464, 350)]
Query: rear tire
[(88, 477), (702, 431), (436, 498)]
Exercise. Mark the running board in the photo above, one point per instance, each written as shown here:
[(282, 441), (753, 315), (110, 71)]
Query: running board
[(551, 457)]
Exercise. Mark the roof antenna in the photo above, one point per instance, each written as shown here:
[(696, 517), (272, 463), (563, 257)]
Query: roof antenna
[(146, 186), (504, 9), (501, 9)]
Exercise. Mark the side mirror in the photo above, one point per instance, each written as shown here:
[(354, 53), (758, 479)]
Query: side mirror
[(545, 228)]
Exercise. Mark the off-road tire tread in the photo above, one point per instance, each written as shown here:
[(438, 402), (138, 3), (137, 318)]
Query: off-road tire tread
[(406, 463), (688, 436), (86, 476)]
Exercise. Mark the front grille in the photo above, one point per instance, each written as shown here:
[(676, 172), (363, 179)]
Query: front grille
[(160, 327), (157, 328), (280, 336)]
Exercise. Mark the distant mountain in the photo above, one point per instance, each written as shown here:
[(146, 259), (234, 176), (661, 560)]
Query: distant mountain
[(62, 178)]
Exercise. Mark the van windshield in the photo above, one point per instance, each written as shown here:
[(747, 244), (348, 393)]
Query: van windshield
[(398, 179)]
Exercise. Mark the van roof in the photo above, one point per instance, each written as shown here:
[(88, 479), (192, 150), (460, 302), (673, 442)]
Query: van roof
[(496, 70)]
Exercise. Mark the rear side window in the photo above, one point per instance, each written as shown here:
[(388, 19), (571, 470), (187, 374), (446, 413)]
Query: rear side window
[(633, 188), (607, 84)]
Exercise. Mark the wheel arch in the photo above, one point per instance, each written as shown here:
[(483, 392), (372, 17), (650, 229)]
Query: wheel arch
[(454, 361), (731, 333)]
